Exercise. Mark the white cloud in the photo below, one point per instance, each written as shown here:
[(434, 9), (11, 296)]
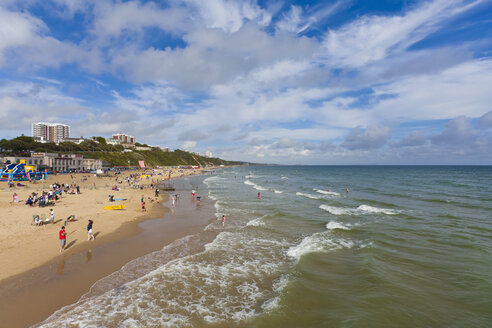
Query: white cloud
[(373, 38), (297, 20), (188, 145), (293, 21), (17, 29), (211, 57), (230, 15), (114, 19), (24, 103), (459, 90), (372, 137), (485, 121)]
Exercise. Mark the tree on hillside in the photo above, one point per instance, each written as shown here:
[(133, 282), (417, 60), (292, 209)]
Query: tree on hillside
[(101, 140)]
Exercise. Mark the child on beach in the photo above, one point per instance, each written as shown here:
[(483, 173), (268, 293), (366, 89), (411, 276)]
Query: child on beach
[(52, 216), (143, 206), (90, 235), (63, 238)]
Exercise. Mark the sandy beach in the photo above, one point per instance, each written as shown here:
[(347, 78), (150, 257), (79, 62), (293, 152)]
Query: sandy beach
[(34, 270), (24, 246)]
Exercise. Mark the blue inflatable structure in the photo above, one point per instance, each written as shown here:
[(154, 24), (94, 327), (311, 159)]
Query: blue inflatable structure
[(17, 172)]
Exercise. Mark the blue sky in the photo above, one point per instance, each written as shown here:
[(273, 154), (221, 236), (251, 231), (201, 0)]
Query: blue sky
[(288, 82)]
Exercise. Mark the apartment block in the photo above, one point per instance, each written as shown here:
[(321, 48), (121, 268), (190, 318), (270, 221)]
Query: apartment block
[(50, 132)]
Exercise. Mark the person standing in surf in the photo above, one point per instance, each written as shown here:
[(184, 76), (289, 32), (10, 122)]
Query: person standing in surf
[(259, 195), (223, 221)]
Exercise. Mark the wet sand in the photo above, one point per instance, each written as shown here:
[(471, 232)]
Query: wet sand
[(31, 297)]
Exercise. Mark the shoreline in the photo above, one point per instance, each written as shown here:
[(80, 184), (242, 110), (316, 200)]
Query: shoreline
[(127, 229), (61, 281)]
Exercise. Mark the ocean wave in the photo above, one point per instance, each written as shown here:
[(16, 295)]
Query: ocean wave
[(325, 192), (318, 242), (371, 209), (278, 191), (211, 196), (258, 222), (278, 287), (362, 209), (254, 185), (212, 179), (222, 284), (284, 178), (126, 275), (308, 195), (332, 225), (337, 210)]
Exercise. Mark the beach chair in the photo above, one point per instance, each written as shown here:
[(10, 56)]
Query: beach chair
[(44, 219)]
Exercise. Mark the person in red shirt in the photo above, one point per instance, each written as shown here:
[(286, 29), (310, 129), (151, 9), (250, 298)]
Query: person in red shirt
[(63, 238)]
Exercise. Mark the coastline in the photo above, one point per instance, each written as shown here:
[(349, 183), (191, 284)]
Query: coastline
[(31, 296)]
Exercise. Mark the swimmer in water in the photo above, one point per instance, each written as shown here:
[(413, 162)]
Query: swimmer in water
[(347, 190)]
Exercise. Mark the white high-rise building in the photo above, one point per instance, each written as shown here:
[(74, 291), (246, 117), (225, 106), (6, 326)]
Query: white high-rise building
[(50, 132)]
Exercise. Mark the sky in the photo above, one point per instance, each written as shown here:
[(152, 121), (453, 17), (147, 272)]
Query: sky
[(286, 82)]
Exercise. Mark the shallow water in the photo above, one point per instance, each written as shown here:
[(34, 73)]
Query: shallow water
[(406, 247)]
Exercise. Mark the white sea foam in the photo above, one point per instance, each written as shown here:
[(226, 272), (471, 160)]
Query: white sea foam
[(254, 185), (318, 242), (337, 210), (308, 195), (258, 222), (325, 192), (332, 225), (278, 191), (371, 209), (284, 178), (212, 179), (218, 285), (211, 196), (362, 209), (278, 287)]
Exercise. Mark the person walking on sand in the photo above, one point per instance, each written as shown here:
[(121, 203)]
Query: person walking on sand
[(143, 206), (223, 221), (63, 238), (90, 235), (52, 216)]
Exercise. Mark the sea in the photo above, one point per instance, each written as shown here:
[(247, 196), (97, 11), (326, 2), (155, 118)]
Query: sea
[(314, 246)]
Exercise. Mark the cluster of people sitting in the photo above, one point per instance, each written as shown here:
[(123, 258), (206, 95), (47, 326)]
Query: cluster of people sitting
[(46, 198)]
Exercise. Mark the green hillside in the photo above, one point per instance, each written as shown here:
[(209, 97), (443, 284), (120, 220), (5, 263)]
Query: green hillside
[(156, 158), (114, 155)]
